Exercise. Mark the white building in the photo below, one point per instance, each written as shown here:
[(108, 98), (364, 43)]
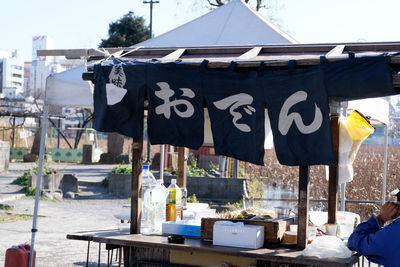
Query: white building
[(11, 75)]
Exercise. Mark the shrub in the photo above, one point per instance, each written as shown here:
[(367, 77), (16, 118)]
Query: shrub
[(193, 170), (121, 169), (23, 179), (192, 199)]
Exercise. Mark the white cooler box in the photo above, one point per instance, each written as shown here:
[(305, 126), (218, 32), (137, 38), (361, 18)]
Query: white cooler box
[(231, 234)]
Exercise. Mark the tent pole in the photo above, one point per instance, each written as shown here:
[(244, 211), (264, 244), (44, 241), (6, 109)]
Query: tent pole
[(385, 165), (343, 196), (39, 174), (162, 156)]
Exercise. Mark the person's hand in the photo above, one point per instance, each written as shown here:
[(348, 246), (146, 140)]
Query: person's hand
[(388, 211)]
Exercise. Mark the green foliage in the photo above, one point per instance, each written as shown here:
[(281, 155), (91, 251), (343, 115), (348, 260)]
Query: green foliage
[(121, 169), (192, 199), (49, 199), (124, 169), (23, 179), (6, 207), (10, 217), (255, 187), (31, 191), (236, 205), (193, 170), (126, 31), (213, 167), (242, 172)]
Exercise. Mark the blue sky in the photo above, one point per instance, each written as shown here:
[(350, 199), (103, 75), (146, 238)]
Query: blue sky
[(81, 24)]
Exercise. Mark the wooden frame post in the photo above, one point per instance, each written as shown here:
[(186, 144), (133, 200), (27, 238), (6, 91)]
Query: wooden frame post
[(182, 167), (136, 192), (303, 206), (333, 171)]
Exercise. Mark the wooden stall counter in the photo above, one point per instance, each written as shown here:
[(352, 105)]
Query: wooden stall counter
[(195, 252)]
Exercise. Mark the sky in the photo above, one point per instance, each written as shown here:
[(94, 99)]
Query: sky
[(83, 23)]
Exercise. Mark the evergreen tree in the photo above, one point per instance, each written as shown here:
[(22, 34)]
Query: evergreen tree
[(126, 31)]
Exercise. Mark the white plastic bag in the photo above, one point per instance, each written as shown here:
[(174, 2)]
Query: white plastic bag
[(327, 247)]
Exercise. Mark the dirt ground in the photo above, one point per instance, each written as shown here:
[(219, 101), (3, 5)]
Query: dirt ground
[(92, 211)]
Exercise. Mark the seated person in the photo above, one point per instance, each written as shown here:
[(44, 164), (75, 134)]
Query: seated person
[(379, 243)]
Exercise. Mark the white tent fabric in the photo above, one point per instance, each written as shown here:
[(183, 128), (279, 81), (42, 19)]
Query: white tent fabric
[(68, 89), (233, 24)]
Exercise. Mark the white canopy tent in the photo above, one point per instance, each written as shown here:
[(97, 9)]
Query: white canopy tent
[(233, 24), (68, 89)]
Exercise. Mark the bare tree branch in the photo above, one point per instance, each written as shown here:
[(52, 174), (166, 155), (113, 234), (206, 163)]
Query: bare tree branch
[(258, 6), (218, 3), (87, 116), (60, 132)]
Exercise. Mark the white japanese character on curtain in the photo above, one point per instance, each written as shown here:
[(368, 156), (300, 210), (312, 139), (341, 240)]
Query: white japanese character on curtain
[(114, 90), (166, 93), (234, 102), (286, 120)]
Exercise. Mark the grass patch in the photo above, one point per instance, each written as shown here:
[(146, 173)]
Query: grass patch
[(21, 180), (6, 207), (49, 199), (12, 217)]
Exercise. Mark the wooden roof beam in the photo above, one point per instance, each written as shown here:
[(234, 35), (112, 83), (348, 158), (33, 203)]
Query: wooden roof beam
[(288, 49)]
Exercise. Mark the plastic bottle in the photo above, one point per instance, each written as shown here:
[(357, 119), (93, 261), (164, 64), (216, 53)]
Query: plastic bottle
[(158, 202), (148, 183), (174, 207), (184, 198)]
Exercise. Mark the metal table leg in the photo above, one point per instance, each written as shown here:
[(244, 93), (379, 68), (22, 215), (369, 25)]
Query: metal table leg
[(87, 254), (98, 263)]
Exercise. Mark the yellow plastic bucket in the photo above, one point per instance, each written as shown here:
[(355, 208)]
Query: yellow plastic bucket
[(358, 126)]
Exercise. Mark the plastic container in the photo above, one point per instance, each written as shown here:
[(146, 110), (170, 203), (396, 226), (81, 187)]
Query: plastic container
[(148, 213), (184, 198), (282, 212), (18, 256), (347, 221), (158, 202), (174, 205)]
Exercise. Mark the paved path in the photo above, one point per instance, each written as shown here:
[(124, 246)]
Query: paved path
[(57, 219)]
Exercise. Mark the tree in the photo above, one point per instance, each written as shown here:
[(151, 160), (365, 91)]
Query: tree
[(126, 31), (259, 3)]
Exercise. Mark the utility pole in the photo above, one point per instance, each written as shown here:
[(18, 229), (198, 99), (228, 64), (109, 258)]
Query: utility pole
[(151, 2)]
